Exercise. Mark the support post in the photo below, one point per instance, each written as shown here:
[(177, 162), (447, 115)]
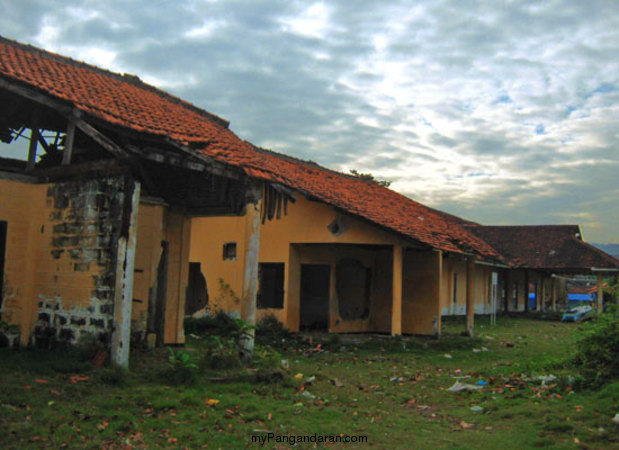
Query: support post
[(250, 270), (506, 286), (470, 300), (538, 290), (32, 149), (543, 294), (526, 291), (396, 303), (600, 294), (439, 293), (68, 143), (553, 293), (125, 264)]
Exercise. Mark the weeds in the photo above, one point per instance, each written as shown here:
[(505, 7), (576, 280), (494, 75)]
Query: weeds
[(598, 347)]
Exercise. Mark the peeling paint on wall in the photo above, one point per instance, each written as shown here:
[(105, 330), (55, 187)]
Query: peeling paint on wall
[(85, 224)]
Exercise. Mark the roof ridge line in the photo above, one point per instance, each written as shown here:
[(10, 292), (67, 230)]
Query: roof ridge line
[(128, 78)]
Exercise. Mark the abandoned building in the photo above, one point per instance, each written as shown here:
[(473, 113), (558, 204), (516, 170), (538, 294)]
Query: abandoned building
[(96, 221), (134, 208), (540, 256)]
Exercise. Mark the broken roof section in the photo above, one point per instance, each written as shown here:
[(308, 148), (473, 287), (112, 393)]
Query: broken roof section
[(125, 101), (557, 248)]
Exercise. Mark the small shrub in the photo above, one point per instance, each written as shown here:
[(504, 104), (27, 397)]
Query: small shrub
[(221, 324), (272, 332), (222, 354), (181, 368), (598, 347)]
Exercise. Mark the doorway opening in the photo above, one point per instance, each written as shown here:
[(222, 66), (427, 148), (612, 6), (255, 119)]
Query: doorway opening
[(315, 281)]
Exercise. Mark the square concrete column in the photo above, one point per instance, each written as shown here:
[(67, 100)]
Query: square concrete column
[(251, 261), (396, 304), (553, 287), (125, 264), (470, 300)]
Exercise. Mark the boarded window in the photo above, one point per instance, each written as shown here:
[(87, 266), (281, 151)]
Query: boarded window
[(3, 227), (229, 251), (353, 284), (271, 293)]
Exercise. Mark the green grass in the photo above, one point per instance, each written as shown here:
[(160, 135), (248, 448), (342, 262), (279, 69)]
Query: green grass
[(394, 391)]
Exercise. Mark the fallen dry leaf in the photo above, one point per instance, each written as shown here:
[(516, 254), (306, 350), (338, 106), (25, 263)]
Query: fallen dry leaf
[(466, 426), (211, 401)]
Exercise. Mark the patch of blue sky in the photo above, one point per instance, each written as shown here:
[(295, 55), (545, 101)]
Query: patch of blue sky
[(504, 98)]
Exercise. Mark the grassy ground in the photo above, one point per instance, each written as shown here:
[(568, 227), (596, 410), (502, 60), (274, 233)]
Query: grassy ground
[(394, 391)]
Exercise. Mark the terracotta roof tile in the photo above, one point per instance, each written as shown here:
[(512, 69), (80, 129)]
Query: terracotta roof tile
[(125, 101), (552, 247)]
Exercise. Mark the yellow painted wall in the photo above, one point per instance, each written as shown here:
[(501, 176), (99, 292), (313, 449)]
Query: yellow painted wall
[(18, 207), (305, 223), (481, 294), (42, 276), (156, 224), (420, 299), (54, 269)]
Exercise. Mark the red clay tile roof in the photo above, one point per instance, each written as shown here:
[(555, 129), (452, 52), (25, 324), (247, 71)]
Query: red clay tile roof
[(551, 247), (127, 102), (373, 202)]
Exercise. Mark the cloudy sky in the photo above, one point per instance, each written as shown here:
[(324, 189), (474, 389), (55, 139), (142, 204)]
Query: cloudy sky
[(503, 112)]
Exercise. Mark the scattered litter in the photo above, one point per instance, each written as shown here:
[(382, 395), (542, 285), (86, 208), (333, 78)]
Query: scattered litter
[(616, 419), (448, 356), (477, 409), (546, 379), (285, 364), (509, 344), (335, 382), (476, 350), (307, 394), (309, 381), (396, 379), (459, 387), (484, 349), (457, 371), (489, 337), (299, 376), (481, 383)]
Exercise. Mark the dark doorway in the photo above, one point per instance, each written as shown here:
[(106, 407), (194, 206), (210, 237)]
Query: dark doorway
[(315, 296), (3, 228), (353, 287), (197, 292), (157, 298)]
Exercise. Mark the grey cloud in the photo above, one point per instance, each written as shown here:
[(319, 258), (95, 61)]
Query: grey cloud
[(477, 79)]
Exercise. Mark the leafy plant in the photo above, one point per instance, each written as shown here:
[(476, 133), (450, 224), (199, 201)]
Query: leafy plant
[(180, 360), (598, 347), (222, 353)]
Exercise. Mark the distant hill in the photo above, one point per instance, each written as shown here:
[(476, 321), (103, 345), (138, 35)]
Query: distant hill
[(611, 249)]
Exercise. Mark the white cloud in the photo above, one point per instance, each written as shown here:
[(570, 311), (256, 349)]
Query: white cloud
[(312, 22)]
